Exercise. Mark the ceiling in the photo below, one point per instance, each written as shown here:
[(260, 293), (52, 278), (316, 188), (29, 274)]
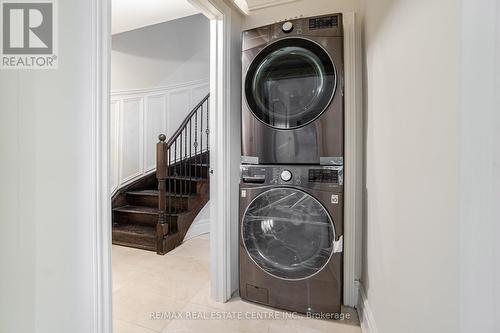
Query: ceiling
[(133, 14)]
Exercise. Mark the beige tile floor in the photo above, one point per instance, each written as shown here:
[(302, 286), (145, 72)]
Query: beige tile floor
[(178, 284)]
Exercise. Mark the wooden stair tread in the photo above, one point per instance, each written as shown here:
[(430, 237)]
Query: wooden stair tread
[(193, 179), (154, 193), (142, 210), (137, 210)]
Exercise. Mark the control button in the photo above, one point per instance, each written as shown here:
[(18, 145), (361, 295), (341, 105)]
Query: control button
[(286, 175), (287, 27)]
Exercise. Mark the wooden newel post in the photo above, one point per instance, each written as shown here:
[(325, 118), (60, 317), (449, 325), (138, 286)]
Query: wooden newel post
[(161, 175)]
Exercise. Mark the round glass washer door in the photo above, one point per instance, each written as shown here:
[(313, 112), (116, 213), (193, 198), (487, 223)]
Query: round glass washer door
[(288, 233), (290, 83)]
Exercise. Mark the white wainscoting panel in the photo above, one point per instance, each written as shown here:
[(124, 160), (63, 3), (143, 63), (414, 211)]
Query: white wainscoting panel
[(155, 121), (179, 104), (114, 143), (131, 164), (138, 117)]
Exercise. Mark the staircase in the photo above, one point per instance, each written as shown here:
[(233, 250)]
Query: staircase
[(155, 212)]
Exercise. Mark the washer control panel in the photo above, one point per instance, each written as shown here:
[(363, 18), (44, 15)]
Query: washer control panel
[(306, 176), (324, 175)]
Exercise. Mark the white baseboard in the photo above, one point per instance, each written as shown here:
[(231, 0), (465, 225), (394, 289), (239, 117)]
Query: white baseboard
[(201, 224), (199, 228), (365, 313)]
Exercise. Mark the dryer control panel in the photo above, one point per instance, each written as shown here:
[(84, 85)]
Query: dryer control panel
[(325, 22)]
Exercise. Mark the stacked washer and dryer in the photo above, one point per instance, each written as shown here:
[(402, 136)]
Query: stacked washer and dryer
[(291, 187)]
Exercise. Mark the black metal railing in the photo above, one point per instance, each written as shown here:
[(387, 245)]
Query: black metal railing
[(181, 162)]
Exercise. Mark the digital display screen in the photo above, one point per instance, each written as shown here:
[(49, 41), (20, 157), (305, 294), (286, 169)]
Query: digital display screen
[(323, 22), (323, 176)]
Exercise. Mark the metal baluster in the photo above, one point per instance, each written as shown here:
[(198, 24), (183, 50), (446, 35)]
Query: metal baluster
[(207, 131), (175, 180), (169, 189), (201, 150), (185, 166), (181, 168), (195, 140), (190, 156)]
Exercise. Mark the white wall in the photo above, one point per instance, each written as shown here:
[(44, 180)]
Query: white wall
[(496, 184), (164, 54), (235, 144), (138, 117), (412, 164), (46, 194), (306, 8), (432, 165), (480, 168), (200, 225)]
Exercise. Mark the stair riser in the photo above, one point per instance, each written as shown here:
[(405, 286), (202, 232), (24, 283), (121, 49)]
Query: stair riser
[(180, 204), (136, 241), (203, 158), (135, 218), (182, 186), (152, 201), (142, 200), (190, 171)]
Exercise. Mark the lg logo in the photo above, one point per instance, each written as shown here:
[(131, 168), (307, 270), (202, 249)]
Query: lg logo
[(28, 34)]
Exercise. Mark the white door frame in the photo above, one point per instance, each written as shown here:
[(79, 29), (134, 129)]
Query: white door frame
[(353, 167), (220, 29), (101, 224), (222, 265)]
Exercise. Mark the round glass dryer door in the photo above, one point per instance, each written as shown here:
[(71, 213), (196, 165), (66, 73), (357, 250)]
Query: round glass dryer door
[(288, 233), (290, 83)]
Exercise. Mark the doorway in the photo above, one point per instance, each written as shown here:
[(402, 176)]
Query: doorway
[(221, 286)]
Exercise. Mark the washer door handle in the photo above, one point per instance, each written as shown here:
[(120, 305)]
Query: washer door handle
[(338, 246)]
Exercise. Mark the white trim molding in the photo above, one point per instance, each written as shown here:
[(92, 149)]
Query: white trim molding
[(242, 6), (222, 194), (353, 173), (261, 4), (161, 89), (101, 223), (366, 318)]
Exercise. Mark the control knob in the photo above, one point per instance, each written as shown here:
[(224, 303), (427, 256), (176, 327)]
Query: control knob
[(286, 175), (287, 27)]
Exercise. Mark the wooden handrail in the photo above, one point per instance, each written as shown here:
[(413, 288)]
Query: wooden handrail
[(178, 143), (186, 120)]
